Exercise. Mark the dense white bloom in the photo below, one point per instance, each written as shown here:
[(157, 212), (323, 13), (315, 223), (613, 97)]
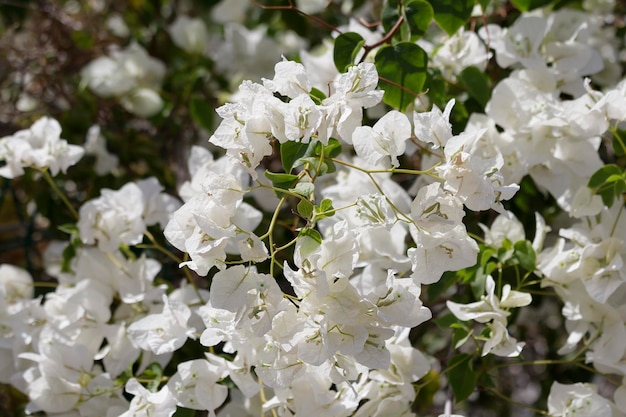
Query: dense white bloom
[(471, 172), (245, 131), (121, 216), (40, 146)]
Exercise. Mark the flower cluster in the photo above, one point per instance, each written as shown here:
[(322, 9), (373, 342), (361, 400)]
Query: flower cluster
[(320, 235)]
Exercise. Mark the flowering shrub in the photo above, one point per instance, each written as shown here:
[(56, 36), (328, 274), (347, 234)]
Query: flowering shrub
[(335, 244)]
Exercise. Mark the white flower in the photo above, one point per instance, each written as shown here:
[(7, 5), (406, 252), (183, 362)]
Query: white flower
[(95, 144), (15, 283), (434, 126), (39, 146), (130, 75), (149, 404), (459, 51), (163, 332), (290, 79), (195, 386), (190, 34), (143, 102), (505, 226), (387, 138), (581, 400), (343, 109), (494, 310)]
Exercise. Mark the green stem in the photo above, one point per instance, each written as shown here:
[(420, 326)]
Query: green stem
[(56, 189), (517, 403)]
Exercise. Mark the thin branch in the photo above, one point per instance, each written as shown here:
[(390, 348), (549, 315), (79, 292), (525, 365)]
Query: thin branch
[(300, 12)]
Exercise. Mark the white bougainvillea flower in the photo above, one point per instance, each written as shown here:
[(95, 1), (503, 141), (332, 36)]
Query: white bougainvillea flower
[(121, 216), (163, 332), (343, 109), (40, 146), (434, 126), (581, 400), (472, 172), (143, 102), (440, 251), (295, 121), (387, 138), (519, 43), (505, 226), (129, 74), (586, 203), (15, 283), (459, 51), (290, 79), (95, 144), (494, 311), (194, 385), (149, 404), (189, 34), (434, 209)]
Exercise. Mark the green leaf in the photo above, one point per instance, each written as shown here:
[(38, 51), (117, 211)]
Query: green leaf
[(331, 150), (347, 46), (317, 95), (282, 181), (418, 15), (201, 113), (326, 205), (305, 208), (404, 65), (153, 374), (450, 15), (314, 163), (477, 84), (446, 321), (324, 210), (184, 412), (619, 188), (478, 283), (619, 145), (525, 255), (483, 4), (526, 5), (436, 290), (600, 177), (461, 376), (461, 335), (305, 189), (390, 14), (312, 233), (69, 252), (69, 228), (291, 151)]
